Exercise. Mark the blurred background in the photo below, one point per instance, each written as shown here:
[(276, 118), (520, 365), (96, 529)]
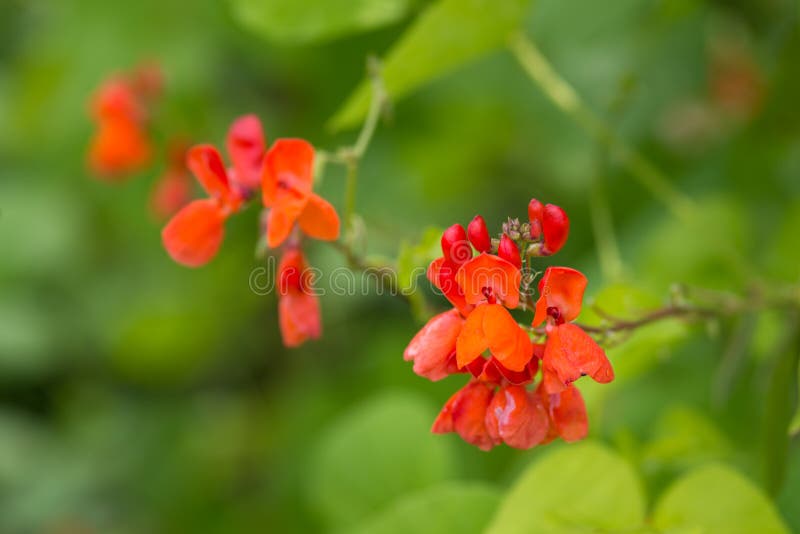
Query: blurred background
[(140, 396)]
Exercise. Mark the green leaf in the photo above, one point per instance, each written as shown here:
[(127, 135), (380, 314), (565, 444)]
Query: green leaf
[(450, 507), (294, 22), (447, 35), (375, 453), (573, 489), (685, 437), (716, 498)]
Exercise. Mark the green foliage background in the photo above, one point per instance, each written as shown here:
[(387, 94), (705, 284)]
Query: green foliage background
[(139, 396)]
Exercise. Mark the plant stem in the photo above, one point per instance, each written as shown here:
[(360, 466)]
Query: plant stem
[(562, 94)]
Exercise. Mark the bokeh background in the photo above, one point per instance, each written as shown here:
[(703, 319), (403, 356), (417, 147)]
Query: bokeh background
[(140, 396)]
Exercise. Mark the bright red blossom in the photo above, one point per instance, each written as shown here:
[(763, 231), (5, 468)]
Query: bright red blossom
[(298, 307), (499, 404), (287, 180)]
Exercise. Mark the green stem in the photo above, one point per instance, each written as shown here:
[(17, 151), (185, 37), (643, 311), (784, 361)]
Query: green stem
[(561, 93)]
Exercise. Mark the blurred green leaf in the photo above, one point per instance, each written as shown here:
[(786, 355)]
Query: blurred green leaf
[(375, 453), (716, 498), (573, 489), (684, 437), (780, 404), (293, 22), (447, 35), (450, 507)]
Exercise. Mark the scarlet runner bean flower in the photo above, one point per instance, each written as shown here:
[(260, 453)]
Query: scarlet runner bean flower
[(121, 144), (193, 236), (298, 308), (503, 402)]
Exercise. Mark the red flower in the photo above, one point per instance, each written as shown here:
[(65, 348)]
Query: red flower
[(456, 251), (465, 414), (298, 307), (286, 189), (487, 278), (570, 352), (121, 144), (517, 417), (195, 233), (433, 349), (491, 327), (566, 412)]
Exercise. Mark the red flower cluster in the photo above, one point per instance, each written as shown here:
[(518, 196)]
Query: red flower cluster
[(480, 336), (120, 107), (284, 175)]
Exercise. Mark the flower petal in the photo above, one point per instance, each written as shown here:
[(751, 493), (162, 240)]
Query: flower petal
[(568, 414), (120, 147), (442, 274), (561, 288), (508, 342), (319, 219), (206, 164), (246, 147), (431, 348), (299, 318), (487, 272), (287, 175), (193, 236), (471, 340), (469, 415), (279, 224), (571, 353), (517, 417)]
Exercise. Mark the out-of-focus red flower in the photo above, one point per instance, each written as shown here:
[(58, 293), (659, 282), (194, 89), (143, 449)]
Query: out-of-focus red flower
[(246, 147), (193, 236), (121, 144), (287, 190), (298, 307)]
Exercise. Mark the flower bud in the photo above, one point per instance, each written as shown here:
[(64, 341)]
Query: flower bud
[(455, 246), (555, 226), (508, 251), (535, 211), (479, 235)]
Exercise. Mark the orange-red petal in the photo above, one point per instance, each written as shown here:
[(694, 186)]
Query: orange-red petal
[(279, 225), (571, 353), (490, 326), (489, 273), (299, 318), (568, 414), (319, 219), (517, 417), (562, 288), (206, 164), (120, 147), (431, 348), (193, 236), (246, 147), (465, 413), (442, 274), (287, 175)]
